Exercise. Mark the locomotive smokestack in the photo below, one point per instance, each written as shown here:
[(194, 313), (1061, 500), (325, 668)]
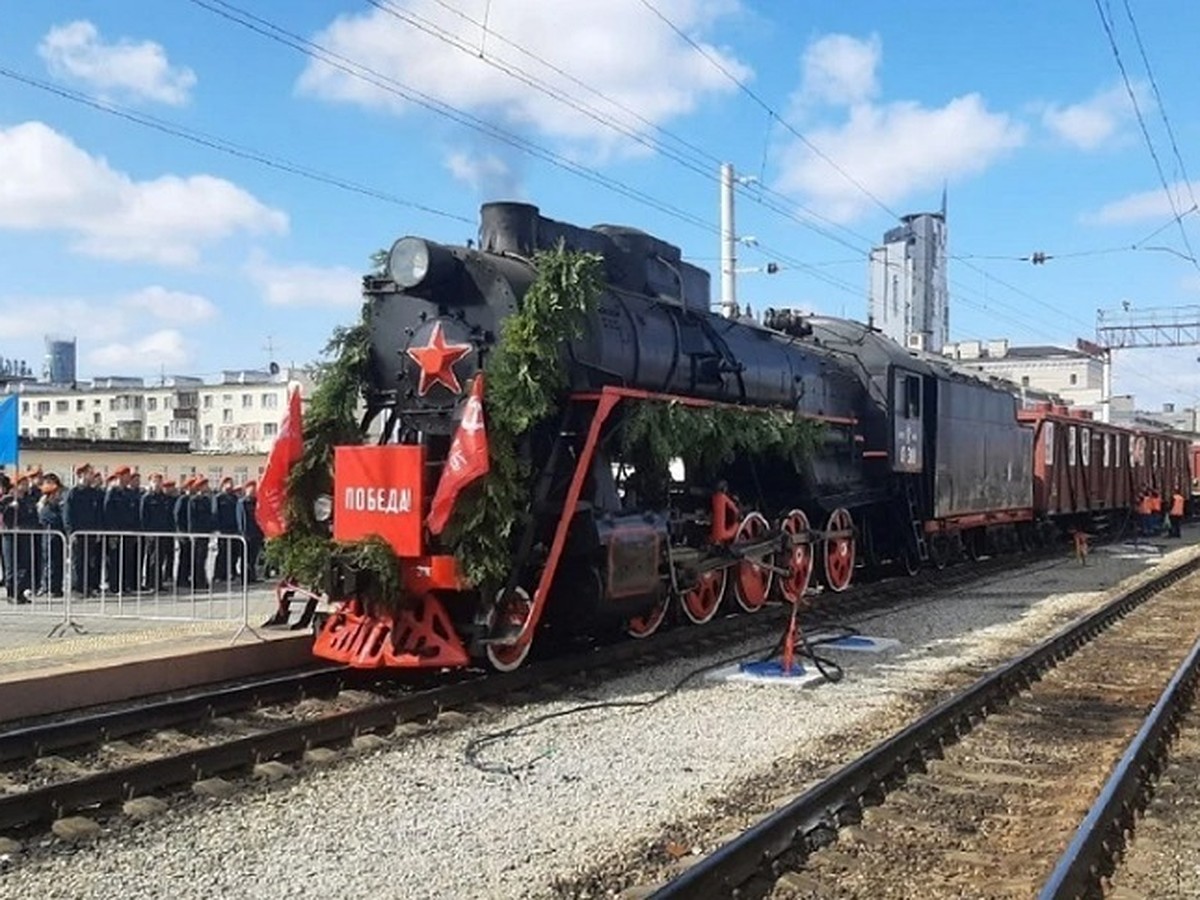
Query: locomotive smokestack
[(729, 307), (508, 228)]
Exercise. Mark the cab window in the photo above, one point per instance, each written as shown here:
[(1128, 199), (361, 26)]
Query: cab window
[(912, 397)]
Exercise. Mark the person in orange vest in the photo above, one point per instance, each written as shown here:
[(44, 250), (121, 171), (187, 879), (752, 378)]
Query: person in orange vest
[(1143, 513), (1155, 513), (1176, 512)]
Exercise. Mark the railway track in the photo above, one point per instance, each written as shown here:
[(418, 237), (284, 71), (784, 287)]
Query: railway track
[(978, 797), (1094, 853), (31, 739), (97, 782), (65, 787)]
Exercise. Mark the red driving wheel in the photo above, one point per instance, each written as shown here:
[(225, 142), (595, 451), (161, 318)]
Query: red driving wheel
[(799, 562), (700, 602), (514, 611), (648, 622), (752, 582), (839, 550)]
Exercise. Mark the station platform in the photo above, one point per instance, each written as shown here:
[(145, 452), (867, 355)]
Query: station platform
[(100, 659)]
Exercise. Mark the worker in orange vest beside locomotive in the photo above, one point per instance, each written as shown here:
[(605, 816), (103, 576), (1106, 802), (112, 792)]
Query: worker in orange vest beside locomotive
[(1177, 507)]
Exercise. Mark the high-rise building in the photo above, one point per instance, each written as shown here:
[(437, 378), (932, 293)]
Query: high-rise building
[(60, 361), (908, 294)]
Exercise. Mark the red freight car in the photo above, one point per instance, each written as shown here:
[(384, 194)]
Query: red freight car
[(1195, 470), (1087, 468)]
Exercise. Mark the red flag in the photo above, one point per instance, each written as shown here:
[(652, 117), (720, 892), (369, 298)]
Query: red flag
[(467, 461), (269, 512)]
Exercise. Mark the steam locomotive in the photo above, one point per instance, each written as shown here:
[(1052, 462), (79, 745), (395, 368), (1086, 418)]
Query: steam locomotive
[(914, 461)]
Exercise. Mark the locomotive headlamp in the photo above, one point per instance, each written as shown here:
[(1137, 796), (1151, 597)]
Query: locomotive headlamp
[(408, 262), (415, 262)]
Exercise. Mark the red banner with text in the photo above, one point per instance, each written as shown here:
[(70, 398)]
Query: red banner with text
[(377, 491)]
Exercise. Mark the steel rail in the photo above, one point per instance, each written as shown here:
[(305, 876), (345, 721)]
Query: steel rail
[(1091, 855), (812, 819), (32, 739)]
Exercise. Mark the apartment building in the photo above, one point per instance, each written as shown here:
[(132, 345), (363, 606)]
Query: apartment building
[(239, 413)]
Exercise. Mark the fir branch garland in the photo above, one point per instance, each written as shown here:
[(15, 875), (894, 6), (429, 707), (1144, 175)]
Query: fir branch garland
[(525, 378), (708, 437)]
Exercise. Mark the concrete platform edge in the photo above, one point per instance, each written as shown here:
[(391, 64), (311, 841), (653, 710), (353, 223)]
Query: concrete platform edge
[(77, 686)]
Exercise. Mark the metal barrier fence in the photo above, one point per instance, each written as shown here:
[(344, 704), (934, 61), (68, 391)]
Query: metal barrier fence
[(24, 554), (159, 575)]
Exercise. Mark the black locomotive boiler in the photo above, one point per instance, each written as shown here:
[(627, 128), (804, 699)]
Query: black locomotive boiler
[(907, 455)]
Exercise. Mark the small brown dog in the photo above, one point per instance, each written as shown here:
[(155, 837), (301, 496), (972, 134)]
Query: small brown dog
[(1081, 546)]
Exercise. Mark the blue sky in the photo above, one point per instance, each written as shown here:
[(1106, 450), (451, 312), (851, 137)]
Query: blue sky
[(161, 254)]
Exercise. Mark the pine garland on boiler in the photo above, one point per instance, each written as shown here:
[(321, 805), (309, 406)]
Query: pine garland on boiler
[(524, 381), (709, 437)]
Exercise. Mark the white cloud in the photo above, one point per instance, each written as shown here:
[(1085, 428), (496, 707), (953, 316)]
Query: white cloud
[(616, 46), (894, 150), (301, 284), (1094, 122), (141, 70), (34, 316), (1145, 206), (49, 183), (485, 173), (165, 348), (170, 306), (102, 319), (840, 69)]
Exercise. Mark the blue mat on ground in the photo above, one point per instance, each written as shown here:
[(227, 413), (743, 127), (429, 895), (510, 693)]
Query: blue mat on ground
[(772, 668)]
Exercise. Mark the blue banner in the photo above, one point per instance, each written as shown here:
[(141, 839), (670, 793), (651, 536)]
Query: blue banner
[(9, 430)]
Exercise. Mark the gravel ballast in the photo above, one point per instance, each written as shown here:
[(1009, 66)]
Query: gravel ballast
[(607, 797)]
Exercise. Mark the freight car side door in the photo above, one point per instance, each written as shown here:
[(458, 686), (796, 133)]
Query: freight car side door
[(908, 442)]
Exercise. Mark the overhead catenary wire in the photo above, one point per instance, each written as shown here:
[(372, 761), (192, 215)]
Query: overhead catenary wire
[(1141, 120), (393, 86), (222, 145), (599, 116), (369, 75), (351, 67), (696, 149), (326, 56), (1162, 108), (690, 156), (753, 95), (749, 92)]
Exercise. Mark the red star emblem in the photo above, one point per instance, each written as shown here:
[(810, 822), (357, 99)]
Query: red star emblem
[(437, 359)]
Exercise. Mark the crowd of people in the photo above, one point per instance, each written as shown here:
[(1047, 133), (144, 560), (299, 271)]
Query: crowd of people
[(1150, 512), (162, 533)]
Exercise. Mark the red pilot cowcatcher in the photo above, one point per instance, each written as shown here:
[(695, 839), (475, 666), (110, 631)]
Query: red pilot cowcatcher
[(437, 359)]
